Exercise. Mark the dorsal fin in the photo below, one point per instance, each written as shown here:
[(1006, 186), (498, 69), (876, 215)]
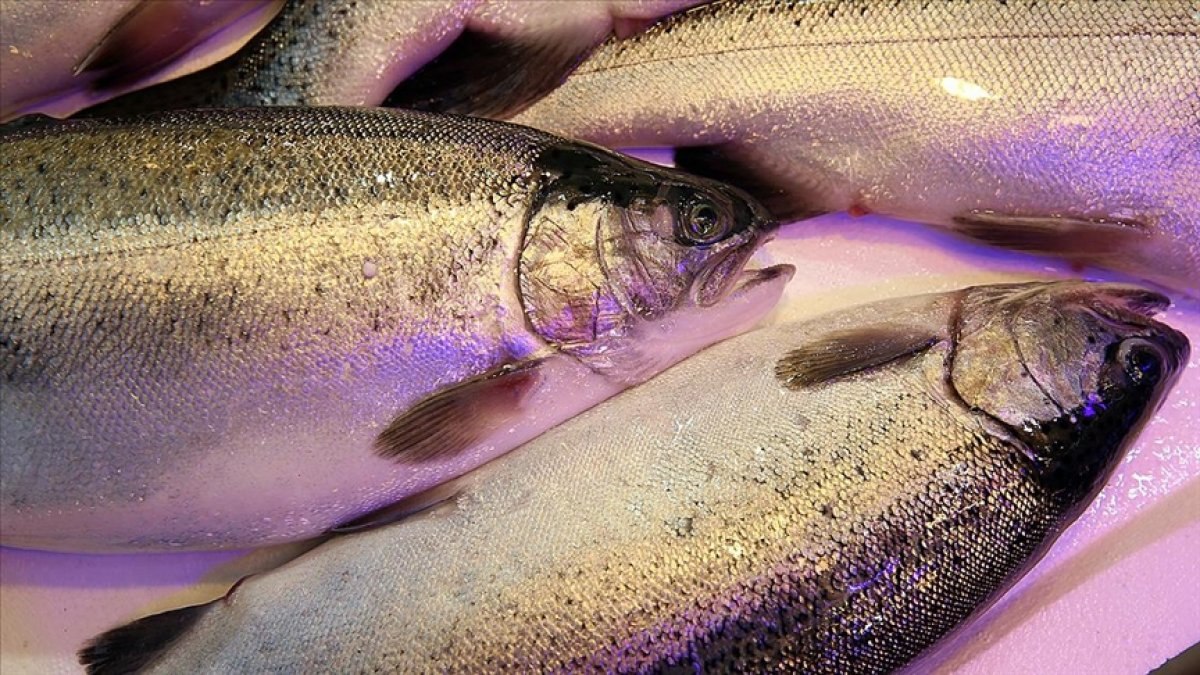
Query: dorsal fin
[(153, 35)]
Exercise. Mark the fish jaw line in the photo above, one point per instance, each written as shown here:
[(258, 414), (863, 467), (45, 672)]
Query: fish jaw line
[(738, 255), (692, 328)]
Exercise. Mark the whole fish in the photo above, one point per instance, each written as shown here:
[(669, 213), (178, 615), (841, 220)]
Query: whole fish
[(831, 496), (62, 55), (333, 52), (235, 328), (1068, 128)]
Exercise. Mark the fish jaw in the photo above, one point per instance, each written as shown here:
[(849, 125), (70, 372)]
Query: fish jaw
[(684, 332)]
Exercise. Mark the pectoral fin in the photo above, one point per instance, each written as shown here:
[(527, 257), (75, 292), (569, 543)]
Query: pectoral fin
[(454, 419), (1060, 235), (731, 163), (851, 351), (488, 76)]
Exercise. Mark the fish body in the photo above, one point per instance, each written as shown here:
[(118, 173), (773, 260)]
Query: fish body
[(234, 328), (830, 496), (1069, 128), (331, 52)]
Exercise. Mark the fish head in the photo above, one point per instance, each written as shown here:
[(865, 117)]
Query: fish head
[(630, 266), (1072, 369)]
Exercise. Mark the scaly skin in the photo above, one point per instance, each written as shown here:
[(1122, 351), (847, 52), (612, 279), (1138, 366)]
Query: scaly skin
[(929, 111), (715, 517), (207, 318)]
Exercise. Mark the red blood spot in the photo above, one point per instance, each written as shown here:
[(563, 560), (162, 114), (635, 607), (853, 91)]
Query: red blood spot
[(857, 210)]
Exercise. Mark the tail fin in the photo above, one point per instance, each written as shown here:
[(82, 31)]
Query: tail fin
[(129, 648)]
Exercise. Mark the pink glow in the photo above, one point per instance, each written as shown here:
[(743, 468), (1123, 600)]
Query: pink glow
[(1119, 593)]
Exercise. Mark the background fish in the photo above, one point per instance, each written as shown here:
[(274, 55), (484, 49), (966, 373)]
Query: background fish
[(332, 52), (832, 496), (1068, 128), (224, 328), (57, 56)]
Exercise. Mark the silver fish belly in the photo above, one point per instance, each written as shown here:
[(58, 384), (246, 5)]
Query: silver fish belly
[(1066, 128), (231, 328), (832, 496)]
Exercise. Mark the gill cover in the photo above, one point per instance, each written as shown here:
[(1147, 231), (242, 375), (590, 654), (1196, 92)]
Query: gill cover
[(1071, 368), (611, 243)]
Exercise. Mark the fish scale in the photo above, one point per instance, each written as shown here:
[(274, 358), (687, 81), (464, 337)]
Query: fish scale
[(1068, 128), (207, 325), (715, 518)]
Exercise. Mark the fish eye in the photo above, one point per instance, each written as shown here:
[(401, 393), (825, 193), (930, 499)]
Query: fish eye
[(1142, 362), (703, 225)]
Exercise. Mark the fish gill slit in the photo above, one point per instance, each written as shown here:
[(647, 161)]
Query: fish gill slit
[(956, 313)]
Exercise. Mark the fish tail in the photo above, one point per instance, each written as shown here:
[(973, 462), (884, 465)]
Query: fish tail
[(132, 647)]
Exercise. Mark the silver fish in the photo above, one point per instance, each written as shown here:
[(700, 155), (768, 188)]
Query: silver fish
[(831, 496), (233, 328), (332, 52), (1069, 127)]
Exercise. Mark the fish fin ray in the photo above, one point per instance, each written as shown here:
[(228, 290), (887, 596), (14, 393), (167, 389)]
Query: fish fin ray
[(846, 352), (423, 503), (487, 76), (135, 645), (727, 163), (452, 420), (1067, 236)]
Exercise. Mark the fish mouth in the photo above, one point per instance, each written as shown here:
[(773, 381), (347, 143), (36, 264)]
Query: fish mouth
[(1123, 303), (1134, 310), (726, 275), (749, 279)]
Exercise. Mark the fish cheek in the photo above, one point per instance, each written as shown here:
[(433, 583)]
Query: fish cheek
[(989, 374), (1078, 449), (648, 272), (1062, 348), (564, 290)]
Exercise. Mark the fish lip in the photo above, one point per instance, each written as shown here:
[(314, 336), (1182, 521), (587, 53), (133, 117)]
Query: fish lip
[(704, 293), (753, 277)]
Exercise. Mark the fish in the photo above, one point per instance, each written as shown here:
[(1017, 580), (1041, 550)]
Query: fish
[(329, 52), (829, 496), (229, 328), (1067, 128), (62, 56)]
